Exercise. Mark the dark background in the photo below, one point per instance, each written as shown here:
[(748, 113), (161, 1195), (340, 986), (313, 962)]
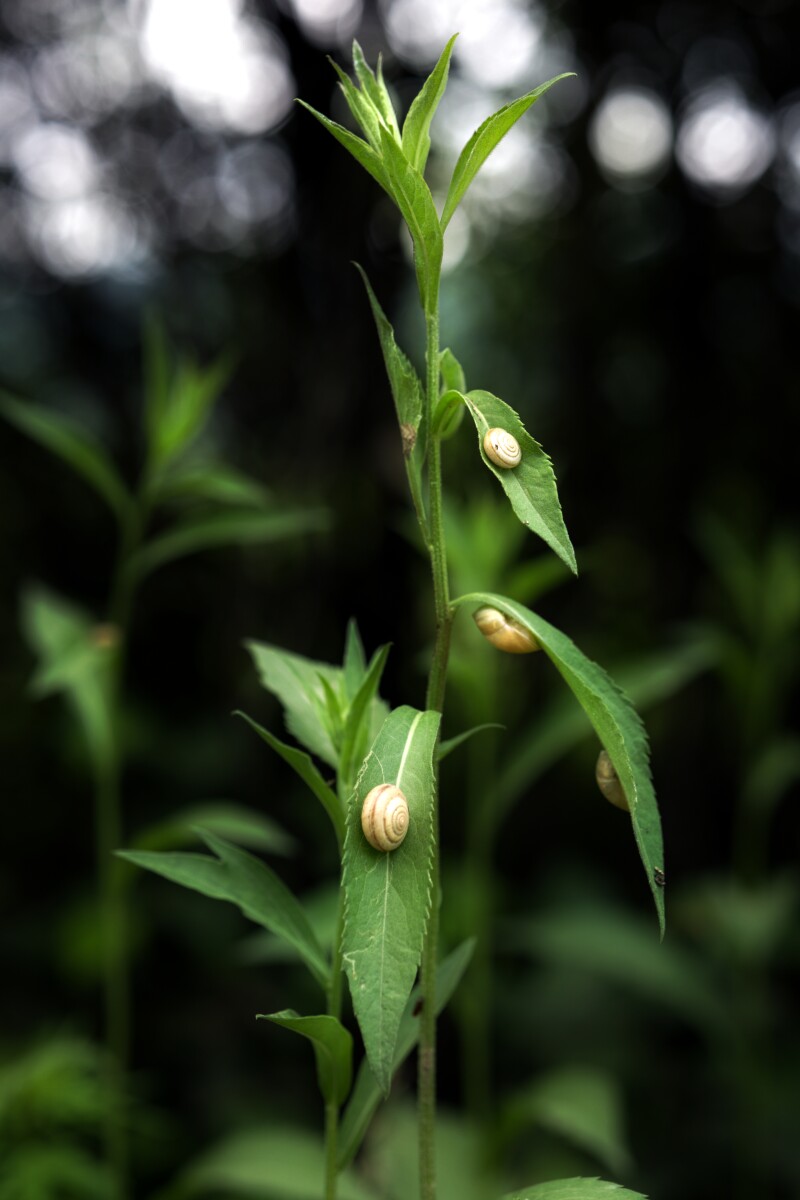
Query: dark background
[(645, 326)]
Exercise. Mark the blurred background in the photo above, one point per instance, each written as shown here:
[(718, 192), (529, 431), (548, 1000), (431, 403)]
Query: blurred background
[(626, 274)]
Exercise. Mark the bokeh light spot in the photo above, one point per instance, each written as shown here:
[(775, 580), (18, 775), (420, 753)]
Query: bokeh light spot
[(630, 136)]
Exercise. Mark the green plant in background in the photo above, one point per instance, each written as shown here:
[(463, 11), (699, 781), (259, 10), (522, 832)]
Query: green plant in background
[(185, 500), (383, 804)]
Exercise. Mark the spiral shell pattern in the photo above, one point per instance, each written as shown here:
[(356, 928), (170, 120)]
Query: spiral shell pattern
[(502, 448), (609, 783), (384, 817), (504, 632)]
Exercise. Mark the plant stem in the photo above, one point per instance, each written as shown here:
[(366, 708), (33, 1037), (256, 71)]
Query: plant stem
[(331, 1136), (108, 824), (434, 700)]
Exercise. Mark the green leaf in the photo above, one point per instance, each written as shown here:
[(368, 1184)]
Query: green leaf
[(66, 439), (198, 872), (453, 743), (616, 723), (413, 197), (74, 657), (157, 374), (367, 1094), (451, 371), (264, 898), (302, 765), (615, 945), (375, 90), (355, 662), (297, 682), (581, 1104), (448, 414), (407, 390), (388, 895), (361, 152), (333, 1048), (531, 486), (233, 527), (483, 142), (356, 737), (416, 127), (191, 395), (361, 108), (245, 881), (210, 481), (576, 1189), (231, 821), (268, 1163)]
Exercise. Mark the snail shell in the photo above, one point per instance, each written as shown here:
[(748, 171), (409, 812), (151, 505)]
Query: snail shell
[(502, 448), (384, 817), (608, 782), (504, 632)]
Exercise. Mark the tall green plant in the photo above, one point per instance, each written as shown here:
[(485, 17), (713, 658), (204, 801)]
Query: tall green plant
[(387, 927), (184, 500)]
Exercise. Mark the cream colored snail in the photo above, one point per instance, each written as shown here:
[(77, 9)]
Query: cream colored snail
[(384, 817), (608, 782), (502, 448), (504, 632)]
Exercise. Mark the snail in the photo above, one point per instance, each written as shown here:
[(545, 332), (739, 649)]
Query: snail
[(502, 448), (504, 632), (384, 817), (608, 782)]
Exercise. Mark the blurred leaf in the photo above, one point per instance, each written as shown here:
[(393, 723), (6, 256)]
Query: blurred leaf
[(483, 142), (447, 747), (53, 1171), (413, 197), (581, 1104), (56, 1084), (157, 371), (617, 724), (357, 735), (618, 946), (531, 486), (72, 444), (576, 1189), (367, 1094), (391, 1157), (388, 894), (210, 481), (302, 765), (73, 655), (416, 127), (746, 922), (772, 773), (231, 527), (231, 821), (333, 1049), (737, 573), (190, 397)]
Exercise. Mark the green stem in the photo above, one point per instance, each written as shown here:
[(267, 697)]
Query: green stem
[(435, 700), (331, 1140), (111, 881)]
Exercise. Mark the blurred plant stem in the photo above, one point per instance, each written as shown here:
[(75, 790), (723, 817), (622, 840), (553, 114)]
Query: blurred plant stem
[(109, 838)]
